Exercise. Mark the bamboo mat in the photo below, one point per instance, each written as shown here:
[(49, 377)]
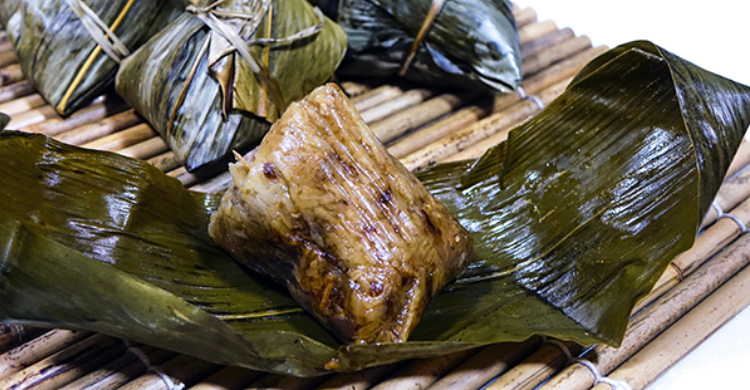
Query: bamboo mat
[(697, 294)]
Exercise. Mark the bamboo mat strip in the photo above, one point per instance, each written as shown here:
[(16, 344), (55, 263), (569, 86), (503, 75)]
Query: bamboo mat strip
[(120, 371), (65, 365), (691, 330), (12, 336), (551, 57), (10, 74), (228, 378), (658, 316), (37, 349), (15, 91)]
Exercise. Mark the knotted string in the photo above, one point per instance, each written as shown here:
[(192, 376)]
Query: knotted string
[(105, 39), (721, 214), (211, 17), (432, 14), (534, 99), (599, 378), (156, 370), (99, 31)]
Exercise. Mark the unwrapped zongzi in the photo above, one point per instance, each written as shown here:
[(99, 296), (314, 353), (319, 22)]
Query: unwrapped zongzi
[(458, 43), (217, 77), (64, 46), (321, 207)]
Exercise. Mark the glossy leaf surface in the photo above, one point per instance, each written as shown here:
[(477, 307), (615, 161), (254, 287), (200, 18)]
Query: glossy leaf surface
[(53, 46), (574, 219)]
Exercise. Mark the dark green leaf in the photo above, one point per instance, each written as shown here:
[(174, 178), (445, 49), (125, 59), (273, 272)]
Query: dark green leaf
[(574, 218), (53, 46), (472, 43), (191, 111)]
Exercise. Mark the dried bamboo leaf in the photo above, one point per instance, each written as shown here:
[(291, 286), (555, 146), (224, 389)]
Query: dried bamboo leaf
[(53, 46), (574, 217), (213, 102)]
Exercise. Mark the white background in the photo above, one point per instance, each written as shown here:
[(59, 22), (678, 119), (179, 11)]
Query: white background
[(714, 35)]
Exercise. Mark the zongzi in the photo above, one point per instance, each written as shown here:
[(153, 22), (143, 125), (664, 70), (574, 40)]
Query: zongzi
[(321, 207), (70, 49), (460, 43), (216, 78)]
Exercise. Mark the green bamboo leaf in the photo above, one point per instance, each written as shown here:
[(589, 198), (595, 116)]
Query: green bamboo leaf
[(574, 219), (213, 103), (471, 43)]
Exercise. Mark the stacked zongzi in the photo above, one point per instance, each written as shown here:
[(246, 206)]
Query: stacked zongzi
[(217, 77), (69, 49), (457, 43)]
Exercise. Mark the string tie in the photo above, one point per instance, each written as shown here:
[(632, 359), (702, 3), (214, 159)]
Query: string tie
[(429, 20), (599, 378), (533, 98), (99, 31)]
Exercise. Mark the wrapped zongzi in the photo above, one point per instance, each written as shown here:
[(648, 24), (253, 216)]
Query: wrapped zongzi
[(458, 43), (216, 78), (70, 49), (321, 207)]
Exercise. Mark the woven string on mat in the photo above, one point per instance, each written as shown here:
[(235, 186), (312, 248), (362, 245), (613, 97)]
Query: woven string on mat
[(598, 377), (168, 381)]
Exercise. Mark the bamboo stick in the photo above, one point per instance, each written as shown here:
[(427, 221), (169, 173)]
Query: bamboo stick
[(166, 161), (145, 149), (12, 336), (535, 369), (354, 89), (560, 71), (537, 62), (470, 115), (186, 178), (10, 74), (31, 117), (5, 45), (376, 96), (551, 39), (17, 106), (460, 119), (657, 316), (358, 380), (8, 57), (119, 371), (122, 138), (392, 127), (687, 333), (533, 31), (493, 124), (549, 360), (741, 158), (182, 369), (218, 183), (486, 365), (420, 374), (228, 378), (106, 126), (35, 350), (478, 149), (284, 382), (736, 189), (712, 240), (392, 106), (65, 366), (15, 91), (102, 107), (524, 16)]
